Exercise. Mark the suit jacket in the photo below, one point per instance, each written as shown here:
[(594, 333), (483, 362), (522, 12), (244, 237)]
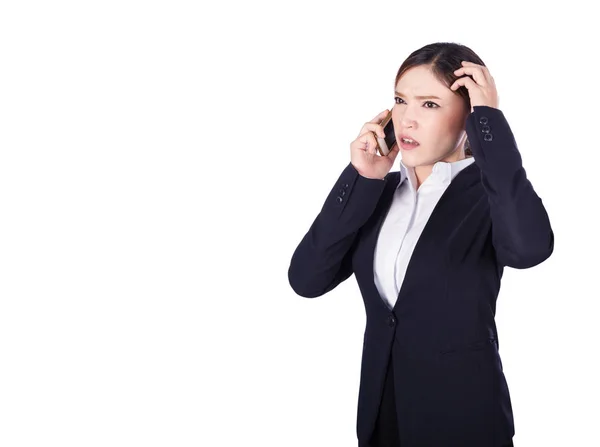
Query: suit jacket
[(450, 389)]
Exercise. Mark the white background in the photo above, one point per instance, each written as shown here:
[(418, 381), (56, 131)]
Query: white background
[(160, 162)]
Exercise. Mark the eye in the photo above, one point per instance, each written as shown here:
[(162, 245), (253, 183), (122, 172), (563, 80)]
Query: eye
[(398, 99)]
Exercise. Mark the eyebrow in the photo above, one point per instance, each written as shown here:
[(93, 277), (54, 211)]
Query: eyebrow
[(419, 97)]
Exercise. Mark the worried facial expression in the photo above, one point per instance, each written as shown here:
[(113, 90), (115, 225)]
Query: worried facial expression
[(432, 114)]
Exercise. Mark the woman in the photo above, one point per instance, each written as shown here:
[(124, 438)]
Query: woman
[(428, 244)]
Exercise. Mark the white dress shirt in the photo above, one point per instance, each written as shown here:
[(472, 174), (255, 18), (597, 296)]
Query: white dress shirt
[(409, 211)]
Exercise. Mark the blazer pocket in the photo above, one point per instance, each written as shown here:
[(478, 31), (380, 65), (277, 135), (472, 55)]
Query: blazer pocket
[(478, 345), (466, 387), (482, 344)]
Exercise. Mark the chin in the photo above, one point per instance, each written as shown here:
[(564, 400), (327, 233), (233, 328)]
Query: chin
[(413, 159)]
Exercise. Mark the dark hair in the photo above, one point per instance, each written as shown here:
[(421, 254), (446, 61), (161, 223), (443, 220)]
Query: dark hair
[(443, 58)]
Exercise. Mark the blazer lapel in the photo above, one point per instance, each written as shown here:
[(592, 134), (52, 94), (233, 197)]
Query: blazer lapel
[(437, 230), (439, 227)]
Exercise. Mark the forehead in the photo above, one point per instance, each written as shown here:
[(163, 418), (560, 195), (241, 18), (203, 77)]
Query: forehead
[(421, 81)]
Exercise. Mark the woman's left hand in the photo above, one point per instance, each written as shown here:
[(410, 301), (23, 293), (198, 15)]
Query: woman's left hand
[(480, 84)]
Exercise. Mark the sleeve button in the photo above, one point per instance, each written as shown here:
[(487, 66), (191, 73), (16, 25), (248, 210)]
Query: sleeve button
[(483, 120), (339, 199), (487, 137)]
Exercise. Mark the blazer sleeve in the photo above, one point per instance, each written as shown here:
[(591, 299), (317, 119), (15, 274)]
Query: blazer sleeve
[(521, 233), (323, 259)]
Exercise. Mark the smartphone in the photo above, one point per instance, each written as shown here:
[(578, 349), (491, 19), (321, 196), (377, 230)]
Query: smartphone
[(385, 145)]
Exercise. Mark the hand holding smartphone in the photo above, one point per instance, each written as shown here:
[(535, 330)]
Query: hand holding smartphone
[(375, 136), (386, 144)]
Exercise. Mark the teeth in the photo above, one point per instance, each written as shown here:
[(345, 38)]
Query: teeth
[(407, 140)]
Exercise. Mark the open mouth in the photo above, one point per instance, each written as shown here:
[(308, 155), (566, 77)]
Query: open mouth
[(407, 143)]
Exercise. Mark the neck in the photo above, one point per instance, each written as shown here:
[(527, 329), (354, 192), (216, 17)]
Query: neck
[(424, 171)]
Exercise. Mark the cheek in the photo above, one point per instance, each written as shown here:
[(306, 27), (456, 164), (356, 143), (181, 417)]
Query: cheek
[(436, 131), (446, 128), (396, 119)]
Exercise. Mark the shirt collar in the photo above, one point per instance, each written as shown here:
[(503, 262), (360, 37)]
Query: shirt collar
[(443, 172)]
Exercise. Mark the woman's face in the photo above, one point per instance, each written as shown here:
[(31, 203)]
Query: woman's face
[(438, 124)]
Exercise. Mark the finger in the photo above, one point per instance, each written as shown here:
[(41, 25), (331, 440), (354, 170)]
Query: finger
[(476, 72), (486, 72), (370, 144), (466, 81), (380, 116), (372, 127)]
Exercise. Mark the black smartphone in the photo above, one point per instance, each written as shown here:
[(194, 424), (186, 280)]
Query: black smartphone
[(385, 145)]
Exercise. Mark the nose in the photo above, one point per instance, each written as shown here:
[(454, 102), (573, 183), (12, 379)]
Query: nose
[(405, 119)]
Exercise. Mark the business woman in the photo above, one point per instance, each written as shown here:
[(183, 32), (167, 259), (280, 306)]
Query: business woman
[(428, 244)]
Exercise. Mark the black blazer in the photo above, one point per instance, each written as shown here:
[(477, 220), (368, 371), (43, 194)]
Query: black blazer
[(441, 334)]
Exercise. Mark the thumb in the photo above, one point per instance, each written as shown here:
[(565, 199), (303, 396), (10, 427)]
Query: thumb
[(394, 153)]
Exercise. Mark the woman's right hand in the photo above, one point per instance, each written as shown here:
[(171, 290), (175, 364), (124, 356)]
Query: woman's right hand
[(363, 150)]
